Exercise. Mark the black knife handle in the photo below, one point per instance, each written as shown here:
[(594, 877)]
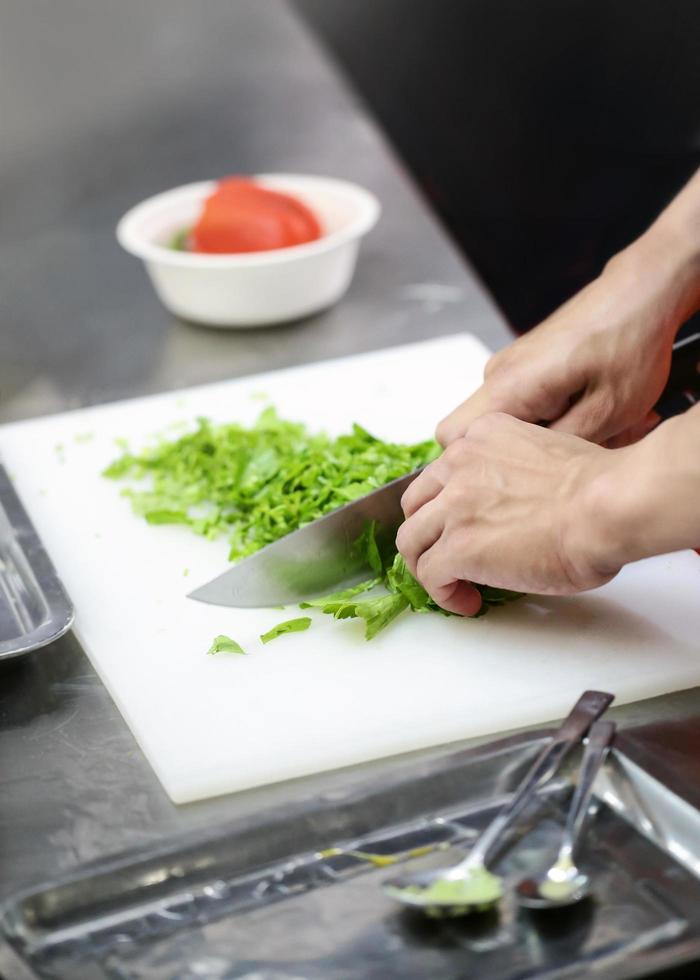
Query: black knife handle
[(682, 389)]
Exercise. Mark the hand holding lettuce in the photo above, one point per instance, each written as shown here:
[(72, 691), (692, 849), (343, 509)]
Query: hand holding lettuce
[(402, 591)]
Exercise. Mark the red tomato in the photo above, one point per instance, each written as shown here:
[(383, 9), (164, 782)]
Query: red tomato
[(242, 216)]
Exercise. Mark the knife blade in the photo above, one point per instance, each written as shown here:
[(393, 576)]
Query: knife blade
[(312, 561)]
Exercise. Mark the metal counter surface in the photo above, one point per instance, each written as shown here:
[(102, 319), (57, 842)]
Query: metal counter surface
[(117, 102)]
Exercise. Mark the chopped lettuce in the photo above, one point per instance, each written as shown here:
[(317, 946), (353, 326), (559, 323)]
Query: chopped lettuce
[(340, 598), (255, 484), (402, 591), (288, 626), (224, 644)]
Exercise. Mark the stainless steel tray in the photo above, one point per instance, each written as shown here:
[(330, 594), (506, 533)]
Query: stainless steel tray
[(34, 606), (295, 895)]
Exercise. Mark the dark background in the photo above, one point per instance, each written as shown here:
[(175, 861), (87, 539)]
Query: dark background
[(547, 133)]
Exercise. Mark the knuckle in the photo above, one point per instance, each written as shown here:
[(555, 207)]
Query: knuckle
[(497, 362), (402, 536), (443, 432), (453, 494), (456, 452), (544, 397), (484, 425), (433, 474), (422, 570)]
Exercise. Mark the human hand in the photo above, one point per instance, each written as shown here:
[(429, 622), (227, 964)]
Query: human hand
[(510, 505), (597, 366)]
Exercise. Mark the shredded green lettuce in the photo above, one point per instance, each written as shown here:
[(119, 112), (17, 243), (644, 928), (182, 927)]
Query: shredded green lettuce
[(256, 484), (288, 626), (224, 644), (402, 590)]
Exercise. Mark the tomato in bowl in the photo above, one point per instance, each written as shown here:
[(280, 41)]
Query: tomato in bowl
[(306, 262)]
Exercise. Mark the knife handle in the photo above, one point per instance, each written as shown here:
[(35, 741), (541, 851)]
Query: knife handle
[(682, 389)]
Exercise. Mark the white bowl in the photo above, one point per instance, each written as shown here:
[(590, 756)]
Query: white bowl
[(251, 289)]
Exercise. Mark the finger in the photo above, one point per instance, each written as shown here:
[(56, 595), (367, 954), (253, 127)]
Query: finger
[(420, 532), (454, 425), (423, 489), (589, 418), (530, 401), (437, 577), (635, 432), (460, 598)]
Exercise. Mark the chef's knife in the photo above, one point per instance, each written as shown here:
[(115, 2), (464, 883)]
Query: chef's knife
[(319, 558), (312, 561)]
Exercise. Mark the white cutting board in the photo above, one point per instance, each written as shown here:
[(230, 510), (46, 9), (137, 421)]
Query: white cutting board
[(325, 698)]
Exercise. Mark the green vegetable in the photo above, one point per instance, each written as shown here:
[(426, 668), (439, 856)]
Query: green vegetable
[(179, 240), (339, 598), (166, 517), (224, 644), (495, 597), (378, 613), (477, 893), (369, 548), (288, 626), (403, 591), (259, 483)]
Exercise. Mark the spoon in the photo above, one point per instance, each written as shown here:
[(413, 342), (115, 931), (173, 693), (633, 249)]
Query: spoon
[(469, 886), (563, 883)]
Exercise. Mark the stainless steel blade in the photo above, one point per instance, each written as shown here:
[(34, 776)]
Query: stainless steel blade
[(316, 559)]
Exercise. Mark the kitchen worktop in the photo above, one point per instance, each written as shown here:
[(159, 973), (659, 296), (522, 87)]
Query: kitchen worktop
[(221, 88)]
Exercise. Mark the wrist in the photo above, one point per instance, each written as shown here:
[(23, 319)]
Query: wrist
[(662, 265), (599, 535), (672, 246), (645, 502)]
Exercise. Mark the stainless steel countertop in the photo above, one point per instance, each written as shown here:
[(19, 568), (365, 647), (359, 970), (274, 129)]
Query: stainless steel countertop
[(115, 102)]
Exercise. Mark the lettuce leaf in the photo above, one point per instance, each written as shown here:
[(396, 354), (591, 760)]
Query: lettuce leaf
[(402, 591), (224, 644), (288, 626)]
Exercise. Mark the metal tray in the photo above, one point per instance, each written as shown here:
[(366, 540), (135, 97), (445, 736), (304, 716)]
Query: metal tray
[(34, 606), (296, 895)]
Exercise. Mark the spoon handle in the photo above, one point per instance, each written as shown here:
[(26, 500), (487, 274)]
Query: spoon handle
[(587, 709), (599, 741)]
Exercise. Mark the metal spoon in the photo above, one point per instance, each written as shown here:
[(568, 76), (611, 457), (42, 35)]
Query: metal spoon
[(563, 883), (469, 886)]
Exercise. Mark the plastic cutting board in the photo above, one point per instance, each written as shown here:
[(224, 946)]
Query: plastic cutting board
[(325, 698)]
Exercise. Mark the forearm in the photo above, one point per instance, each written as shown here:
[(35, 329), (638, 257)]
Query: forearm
[(667, 255), (648, 501)]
